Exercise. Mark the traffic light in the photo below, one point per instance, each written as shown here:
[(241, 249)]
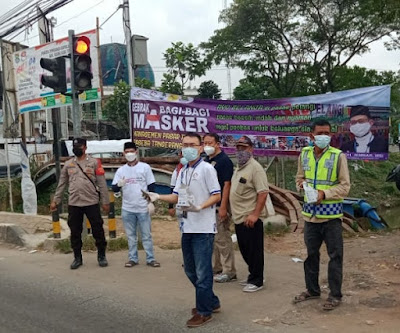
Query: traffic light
[(82, 64), (57, 81)]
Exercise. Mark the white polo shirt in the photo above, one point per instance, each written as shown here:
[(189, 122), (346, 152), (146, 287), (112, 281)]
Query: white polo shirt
[(202, 182), (137, 178)]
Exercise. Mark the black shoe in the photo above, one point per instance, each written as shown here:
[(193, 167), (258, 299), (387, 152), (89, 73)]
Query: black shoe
[(76, 263), (102, 261)]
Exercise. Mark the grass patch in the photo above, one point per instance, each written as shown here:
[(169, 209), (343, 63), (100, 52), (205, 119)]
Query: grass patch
[(275, 229), (89, 244)]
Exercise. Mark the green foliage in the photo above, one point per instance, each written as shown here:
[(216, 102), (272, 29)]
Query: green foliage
[(250, 88), (169, 85), (184, 63), (117, 107), (143, 83), (209, 89), (298, 45)]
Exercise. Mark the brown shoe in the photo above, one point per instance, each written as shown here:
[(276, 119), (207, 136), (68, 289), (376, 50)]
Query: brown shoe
[(198, 320), (215, 310)]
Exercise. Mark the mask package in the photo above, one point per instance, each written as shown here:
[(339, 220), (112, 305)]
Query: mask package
[(310, 193)]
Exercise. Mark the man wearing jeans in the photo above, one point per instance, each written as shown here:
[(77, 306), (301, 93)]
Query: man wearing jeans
[(132, 178), (324, 170), (197, 192)]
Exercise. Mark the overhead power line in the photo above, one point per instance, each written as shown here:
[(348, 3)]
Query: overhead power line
[(26, 14)]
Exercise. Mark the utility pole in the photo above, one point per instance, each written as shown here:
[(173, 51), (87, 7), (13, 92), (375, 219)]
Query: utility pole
[(45, 36), (128, 38), (228, 69), (76, 116)]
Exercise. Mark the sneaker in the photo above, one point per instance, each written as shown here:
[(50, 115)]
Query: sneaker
[(221, 278), (217, 272), (198, 320), (215, 310), (243, 283), (251, 288)]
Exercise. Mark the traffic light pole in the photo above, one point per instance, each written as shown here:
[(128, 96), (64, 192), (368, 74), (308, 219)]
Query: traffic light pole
[(76, 116)]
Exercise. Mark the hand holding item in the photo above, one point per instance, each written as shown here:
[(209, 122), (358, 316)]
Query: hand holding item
[(150, 196), (151, 208), (192, 208), (121, 182), (321, 196)]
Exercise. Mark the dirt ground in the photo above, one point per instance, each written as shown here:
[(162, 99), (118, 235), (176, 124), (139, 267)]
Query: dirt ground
[(371, 283)]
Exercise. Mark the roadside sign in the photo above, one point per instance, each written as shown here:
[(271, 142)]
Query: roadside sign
[(31, 94)]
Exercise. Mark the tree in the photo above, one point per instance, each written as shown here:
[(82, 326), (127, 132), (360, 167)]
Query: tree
[(143, 83), (209, 89), (117, 107), (249, 88), (170, 85), (184, 63), (300, 44)]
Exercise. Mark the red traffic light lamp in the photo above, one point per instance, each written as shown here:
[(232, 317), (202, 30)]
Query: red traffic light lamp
[(82, 63)]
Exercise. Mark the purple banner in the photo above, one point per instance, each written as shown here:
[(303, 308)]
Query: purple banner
[(278, 127)]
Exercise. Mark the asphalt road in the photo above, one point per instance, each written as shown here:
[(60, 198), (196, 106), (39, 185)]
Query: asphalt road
[(39, 293)]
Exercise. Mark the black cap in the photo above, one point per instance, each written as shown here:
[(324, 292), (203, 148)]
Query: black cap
[(244, 141), (128, 145), (360, 110), (79, 142)]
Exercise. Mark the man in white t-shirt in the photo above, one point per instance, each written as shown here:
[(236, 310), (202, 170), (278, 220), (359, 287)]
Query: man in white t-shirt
[(132, 178), (196, 193)]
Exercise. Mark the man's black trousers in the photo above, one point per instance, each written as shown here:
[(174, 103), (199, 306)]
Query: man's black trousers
[(251, 245), (75, 223), (331, 233)]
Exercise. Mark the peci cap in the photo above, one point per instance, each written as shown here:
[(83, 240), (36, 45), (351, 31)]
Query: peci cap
[(129, 145), (79, 142), (244, 141), (359, 110)]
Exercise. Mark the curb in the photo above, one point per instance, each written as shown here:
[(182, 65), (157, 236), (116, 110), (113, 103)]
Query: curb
[(13, 234)]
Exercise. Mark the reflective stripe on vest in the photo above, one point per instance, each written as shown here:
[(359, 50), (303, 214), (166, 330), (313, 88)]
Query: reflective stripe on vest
[(322, 175)]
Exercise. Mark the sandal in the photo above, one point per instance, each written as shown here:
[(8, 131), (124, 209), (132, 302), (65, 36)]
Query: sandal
[(304, 296), (331, 303), (153, 263), (130, 263)]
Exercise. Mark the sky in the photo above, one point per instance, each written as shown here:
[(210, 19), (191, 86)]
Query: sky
[(164, 22)]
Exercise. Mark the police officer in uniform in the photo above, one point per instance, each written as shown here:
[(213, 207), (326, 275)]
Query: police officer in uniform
[(325, 170), (87, 187)]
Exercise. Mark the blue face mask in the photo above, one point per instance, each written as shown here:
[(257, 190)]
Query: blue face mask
[(190, 153), (322, 141), (184, 161)]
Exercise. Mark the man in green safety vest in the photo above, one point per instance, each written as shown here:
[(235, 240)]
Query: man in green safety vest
[(324, 176)]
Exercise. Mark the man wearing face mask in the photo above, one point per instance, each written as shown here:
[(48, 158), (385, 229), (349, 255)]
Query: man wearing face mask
[(248, 193), (325, 171), (87, 186), (133, 178), (224, 255), (360, 126), (196, 193)]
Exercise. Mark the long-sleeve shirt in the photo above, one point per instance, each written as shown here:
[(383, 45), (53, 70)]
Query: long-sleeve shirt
[(337, 192), (81, 191)]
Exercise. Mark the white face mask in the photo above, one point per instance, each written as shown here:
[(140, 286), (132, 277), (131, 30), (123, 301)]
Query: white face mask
[(359, 130), (209, 150), (130, 157), (322, 141)]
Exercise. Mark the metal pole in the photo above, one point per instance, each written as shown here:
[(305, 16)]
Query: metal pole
[(8, 175), (128, 38), (55, 116), (76, 115)]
